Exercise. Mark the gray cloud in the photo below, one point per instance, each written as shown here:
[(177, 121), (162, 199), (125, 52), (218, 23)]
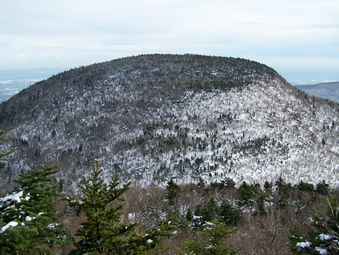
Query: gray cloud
[(67, 33)]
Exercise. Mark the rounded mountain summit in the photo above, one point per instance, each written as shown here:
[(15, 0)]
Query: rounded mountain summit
[(151, 118)]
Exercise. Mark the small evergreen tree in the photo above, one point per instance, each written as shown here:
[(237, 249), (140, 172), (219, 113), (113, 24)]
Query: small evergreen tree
[(172, 192), (322, 188), (284, 193), (268, 186), (211, 211), (261, 209), (28, 215), (208, 211), (212, 241), (304, 186), (247, 194), (229, 183), (103, 232), (229, 215)]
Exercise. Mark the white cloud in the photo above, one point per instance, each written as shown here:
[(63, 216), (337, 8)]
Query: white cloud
[(78, 32)]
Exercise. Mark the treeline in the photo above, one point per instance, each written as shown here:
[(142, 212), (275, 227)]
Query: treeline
[(273, 219), (216, 218), (109, 217)]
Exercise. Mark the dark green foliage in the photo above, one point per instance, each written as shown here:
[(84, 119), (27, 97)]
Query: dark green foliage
[(100, 232), (304, 186), (268, 186), (246, 194), (228, 214), (324, 237), (229, 183), (322, 188), (261, 210), (201, 183), (284, 193), (103, 232), (256, 188), (189, 215), (255, 146), (207, 211), (217, 185), (323, 141), (253, 196), (224, 212), (172, 192), (30, 215), (212, 241)]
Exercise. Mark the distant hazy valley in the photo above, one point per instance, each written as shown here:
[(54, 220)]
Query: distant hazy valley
[(13, 81), (328, 90)]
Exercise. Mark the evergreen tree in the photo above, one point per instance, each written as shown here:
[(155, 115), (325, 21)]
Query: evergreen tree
[(304, 186), (324, 238), (212, 241), (103, 232), (208, 211), (322, 188), (247, 194), (268, 186), (172, 192), (28, 223), (284, 193), (229, 183), (229, 215)]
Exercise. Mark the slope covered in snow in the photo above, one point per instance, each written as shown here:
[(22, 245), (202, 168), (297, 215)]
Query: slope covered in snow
[(153, 117)]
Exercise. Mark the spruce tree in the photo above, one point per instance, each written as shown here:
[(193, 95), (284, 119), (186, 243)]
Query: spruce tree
[(284, 193), (246, 194), (322, 188), (230, 216), (211, 241), (324, 236), (28, 223), (208, 211), (103, 232), (172, 192)]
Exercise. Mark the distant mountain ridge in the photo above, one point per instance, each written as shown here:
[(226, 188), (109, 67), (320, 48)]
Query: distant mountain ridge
[(153, 117), (328, 90)]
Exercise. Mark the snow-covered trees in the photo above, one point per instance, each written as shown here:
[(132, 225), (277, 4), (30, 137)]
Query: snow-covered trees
[(28, 222), (6, 153), (157, 116)]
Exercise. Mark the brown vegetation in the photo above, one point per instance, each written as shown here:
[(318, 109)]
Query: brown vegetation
[(258, 231)]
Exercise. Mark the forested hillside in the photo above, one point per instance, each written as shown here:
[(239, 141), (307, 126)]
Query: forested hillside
[(151, 118)]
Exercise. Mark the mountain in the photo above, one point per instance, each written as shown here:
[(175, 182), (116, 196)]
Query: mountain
[(328, 90), (150, 118)]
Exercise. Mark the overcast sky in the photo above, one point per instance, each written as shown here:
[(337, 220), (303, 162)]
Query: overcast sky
[(288, 35)]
